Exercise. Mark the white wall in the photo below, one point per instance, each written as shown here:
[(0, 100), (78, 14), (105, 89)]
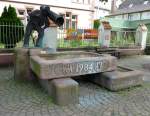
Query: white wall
[(63, 3), (85, 17), (83, 10)]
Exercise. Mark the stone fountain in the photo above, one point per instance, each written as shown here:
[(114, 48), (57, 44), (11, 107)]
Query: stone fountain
[(56, 71)]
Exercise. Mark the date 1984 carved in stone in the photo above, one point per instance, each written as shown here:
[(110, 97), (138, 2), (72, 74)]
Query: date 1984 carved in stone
[(76, 68)]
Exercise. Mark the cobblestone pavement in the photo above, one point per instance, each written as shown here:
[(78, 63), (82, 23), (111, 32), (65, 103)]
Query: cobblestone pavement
[(28, 99), (137, 62)]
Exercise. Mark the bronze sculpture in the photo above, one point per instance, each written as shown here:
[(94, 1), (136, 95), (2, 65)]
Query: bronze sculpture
[(39, 20)]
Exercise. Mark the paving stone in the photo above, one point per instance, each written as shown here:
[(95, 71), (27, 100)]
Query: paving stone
[(92, 98)]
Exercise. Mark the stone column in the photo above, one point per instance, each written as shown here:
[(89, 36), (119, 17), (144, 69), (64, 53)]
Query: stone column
[(22, 69), (141, 36), (49, 42)]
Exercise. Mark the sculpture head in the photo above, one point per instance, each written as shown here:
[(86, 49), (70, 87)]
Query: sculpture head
[(57, 19), (44, 9)]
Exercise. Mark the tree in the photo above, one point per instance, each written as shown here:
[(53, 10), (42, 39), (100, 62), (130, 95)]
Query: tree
[(4, 14), (96, 24), (11, 29), (12, 12)]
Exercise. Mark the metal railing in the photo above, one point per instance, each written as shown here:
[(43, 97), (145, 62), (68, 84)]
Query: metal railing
[(71, 38), (123, 38), (11, 35), (148, 39)]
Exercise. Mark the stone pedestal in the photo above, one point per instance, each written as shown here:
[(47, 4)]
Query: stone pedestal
[(22, 63), (22, 67), (104, 34), (141, 36), (119, 79), (50, 39), (63, 91)]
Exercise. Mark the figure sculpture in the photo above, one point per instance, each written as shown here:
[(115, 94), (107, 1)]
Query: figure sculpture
[(39, 20)]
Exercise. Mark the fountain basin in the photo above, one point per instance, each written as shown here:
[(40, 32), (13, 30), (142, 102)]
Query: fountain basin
[(119, 79), (69, 64)]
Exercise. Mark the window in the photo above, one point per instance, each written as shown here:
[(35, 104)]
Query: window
[(70, 21), (125, 16), (21, 12), (145, 15), (134, 16), (29, 10), (74, 17), (74, 21), (118, 17), (67, 24), (67, 15)]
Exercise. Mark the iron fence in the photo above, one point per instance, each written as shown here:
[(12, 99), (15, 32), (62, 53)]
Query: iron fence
[(71, 38), (148, 39), (123, 38), (11, 34), (67, 38)]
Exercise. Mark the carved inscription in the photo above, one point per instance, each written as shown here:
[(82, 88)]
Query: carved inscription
[(76, 68)]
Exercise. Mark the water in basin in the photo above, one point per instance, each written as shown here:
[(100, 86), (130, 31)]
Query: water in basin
[(123, 69), (68, 55)]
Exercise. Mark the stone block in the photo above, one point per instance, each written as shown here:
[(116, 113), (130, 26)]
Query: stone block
[(130, 52), (63, 91), (34, 51), (6, 59), (120, 79), (22, 63), (22, 69)]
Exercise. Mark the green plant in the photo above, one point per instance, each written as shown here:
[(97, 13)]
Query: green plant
[(75, 43), (96, 24), (11, 29)]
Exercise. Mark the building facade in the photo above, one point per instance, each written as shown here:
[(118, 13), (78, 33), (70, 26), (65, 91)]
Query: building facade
[(77, 13), (132, 10), (101, 9), (130, 14)]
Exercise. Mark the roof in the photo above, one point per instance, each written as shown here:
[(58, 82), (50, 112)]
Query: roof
[(132, 6), (106, 25)]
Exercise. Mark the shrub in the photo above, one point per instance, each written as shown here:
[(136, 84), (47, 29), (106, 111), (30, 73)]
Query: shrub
[(96, 24), (11, 28)]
